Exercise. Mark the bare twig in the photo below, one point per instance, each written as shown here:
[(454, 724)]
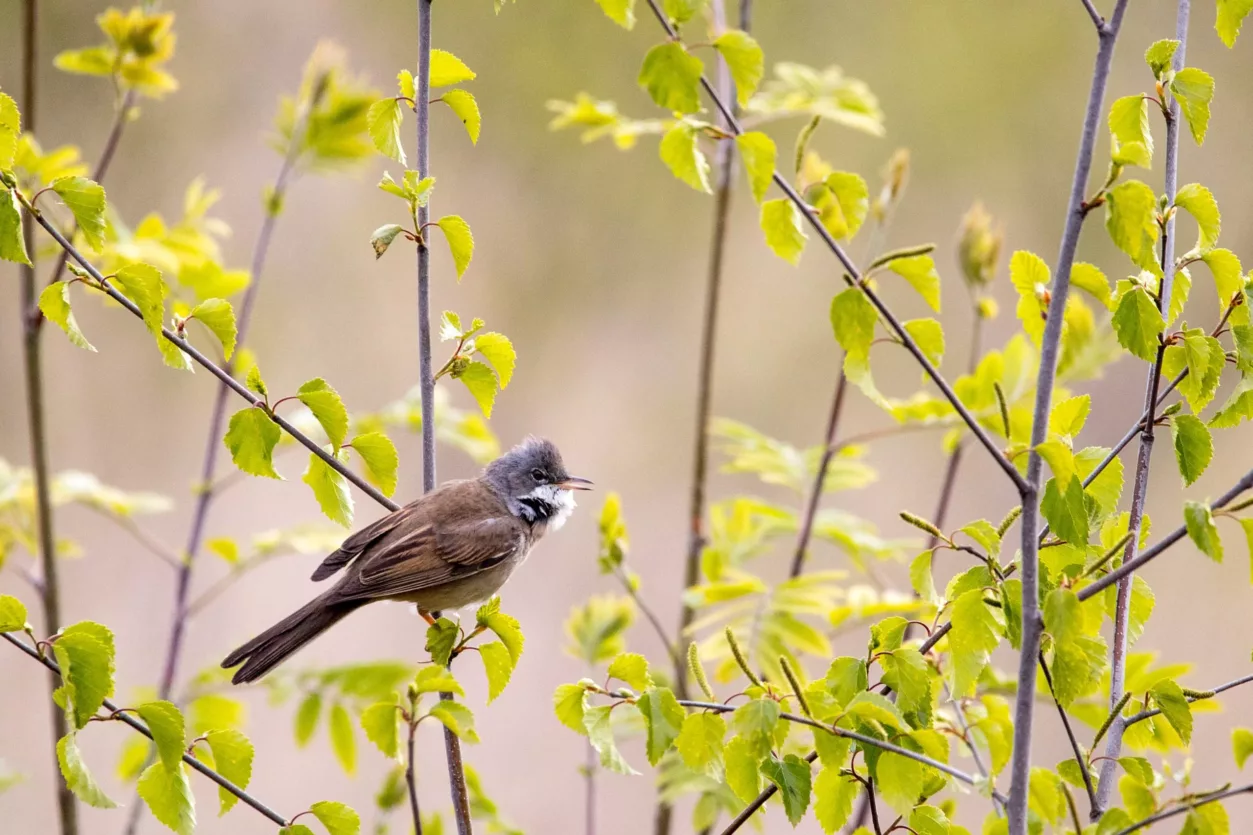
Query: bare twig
[(411, 779), (1122, 609), (1070, 734), (759, 801), (1186, 807), (136, 725), (1148, 714), (1097, 20), (1032, 624), (36, 418), (829, 449), (854, 278)]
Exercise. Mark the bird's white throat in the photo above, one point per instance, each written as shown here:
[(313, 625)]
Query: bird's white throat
[(560, 504)]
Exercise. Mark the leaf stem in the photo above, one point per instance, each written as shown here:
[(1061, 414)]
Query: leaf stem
[(1032, 623)]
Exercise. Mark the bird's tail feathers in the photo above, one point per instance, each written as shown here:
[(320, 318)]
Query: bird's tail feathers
[(273, 646)]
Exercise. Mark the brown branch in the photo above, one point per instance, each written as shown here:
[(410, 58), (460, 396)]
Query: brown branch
[(1074, 742)]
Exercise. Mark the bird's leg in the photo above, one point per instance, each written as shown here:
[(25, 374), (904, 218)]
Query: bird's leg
[(426, 616)]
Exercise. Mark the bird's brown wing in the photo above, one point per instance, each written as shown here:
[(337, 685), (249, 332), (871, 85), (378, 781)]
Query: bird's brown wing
[(458, 534), (354, 545)]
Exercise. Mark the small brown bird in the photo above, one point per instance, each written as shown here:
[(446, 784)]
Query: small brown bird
[(454, 546)]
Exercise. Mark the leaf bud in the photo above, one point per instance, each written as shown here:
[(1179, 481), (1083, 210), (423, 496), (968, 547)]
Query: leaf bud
[(979, 247), (987, 308)]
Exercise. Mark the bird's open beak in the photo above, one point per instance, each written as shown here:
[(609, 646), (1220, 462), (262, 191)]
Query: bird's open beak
[(575, 483)]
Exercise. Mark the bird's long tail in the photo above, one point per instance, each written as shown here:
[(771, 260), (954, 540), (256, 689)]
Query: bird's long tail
[(274, 645)]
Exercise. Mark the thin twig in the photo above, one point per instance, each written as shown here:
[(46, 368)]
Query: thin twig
[(1032, 623), (135, 724), (1070, 734), (214, 369), (1186, 807), (676, 659), (1148, 714), (589, 798), (759, 801), (411, 780), (50, 596), (854, 278), (1122, 608), (1097, 20), (820, 478)]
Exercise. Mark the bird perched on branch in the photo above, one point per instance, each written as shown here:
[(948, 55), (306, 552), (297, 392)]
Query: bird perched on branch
[(454, 546)]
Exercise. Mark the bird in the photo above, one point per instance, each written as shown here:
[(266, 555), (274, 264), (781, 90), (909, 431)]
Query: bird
[(452, 547)]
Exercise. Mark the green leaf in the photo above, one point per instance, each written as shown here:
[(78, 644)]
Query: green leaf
[(12, 245), (755, 722), (1092, 281), (381, 723), (759, 154), (1193, 446), (441, 637), (672, 77), (834, 795), (405, 84), (460, 241), (327, 407), (296, 829), (1231, 14), (700, 741), (85, 654), (921, 578), (1198, 201), (144, 286), (437, 679), (383, 237), (383, 122), (251, 437), (742, 773), (975, 634), (498, 664), (54, 301), (1068, 416), (1194, 90), (843, 203), (232, 758), (1131, 140), (85, 200), (447, 69), (165, 722), (498, 350), (1246, 525), (781, 221), (792, 777), (466, 108), (907, 673), (343, 740), (219, 317), (679, 12), (569, 703), (1169, 697), (663, 719), (1131, 220), (10, 130), (76, 775), (505, 626), (631, 668), (929, 336), (1242, 745), (899, 781), (381, 459), (1227, 272), (1238, 408), (338, 818), (12, 614), (307, 717), (680, 153), (1199, 521), (1204, 357), (621, 12), (919, 271), (482, 383), (254, 382), (600, 734), (330, 489), (744, 60), (1065, 510), (1138, 324), (846, 677), (853, 318), (1030, 277), (167, 792), (1159, 55)]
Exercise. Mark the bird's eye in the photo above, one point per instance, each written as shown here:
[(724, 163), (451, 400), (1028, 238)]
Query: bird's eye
[(538, 475)]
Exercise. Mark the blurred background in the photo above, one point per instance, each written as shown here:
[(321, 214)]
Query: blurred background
[(593, 261)]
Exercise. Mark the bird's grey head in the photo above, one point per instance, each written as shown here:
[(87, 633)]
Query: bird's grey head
[(534, 483)]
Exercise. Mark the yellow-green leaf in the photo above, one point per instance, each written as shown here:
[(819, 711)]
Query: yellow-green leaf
[(54, 301), (343, 740), (781, 221), (498, 665), (327, 407), (621, 12), (165, 723), (383, 122), (759, 154), (447, 69), (381, 459), (251, 437), (1131, 220), (1199, 521), (919, 271), (338, 818), (460, 241), (1138, 324), (1131, 139), (219, 317), (1231, 14), (12, 245), (167, 792), (672, 77), (682, 155), (1194, 90), (85, 200), (76, 775), (232, 758), (467, 109), (744, 60), (381, 723), (330, 489)]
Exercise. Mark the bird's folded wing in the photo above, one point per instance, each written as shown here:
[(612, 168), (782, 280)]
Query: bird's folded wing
[(432, 555), (354, 545)]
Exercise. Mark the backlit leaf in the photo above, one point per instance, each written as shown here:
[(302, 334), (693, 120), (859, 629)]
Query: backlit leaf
[(744, 60), (168, 795), (1131, 220), (781, 221), (338, 818), (759, 154), (219, 317), (251, 437), (447, 69), (76, 775), (343, 740), (460, 241), (85, 200), (919, 271), (1199, 521), (232, 758), (1138, 324), (327, 407), (381, 459), (663, 719), (466, 108), (330, 489), (383, 122), (791, 776), (672, 77), (54, 301), (681, 154), (1193, 446), (1194, 89)]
